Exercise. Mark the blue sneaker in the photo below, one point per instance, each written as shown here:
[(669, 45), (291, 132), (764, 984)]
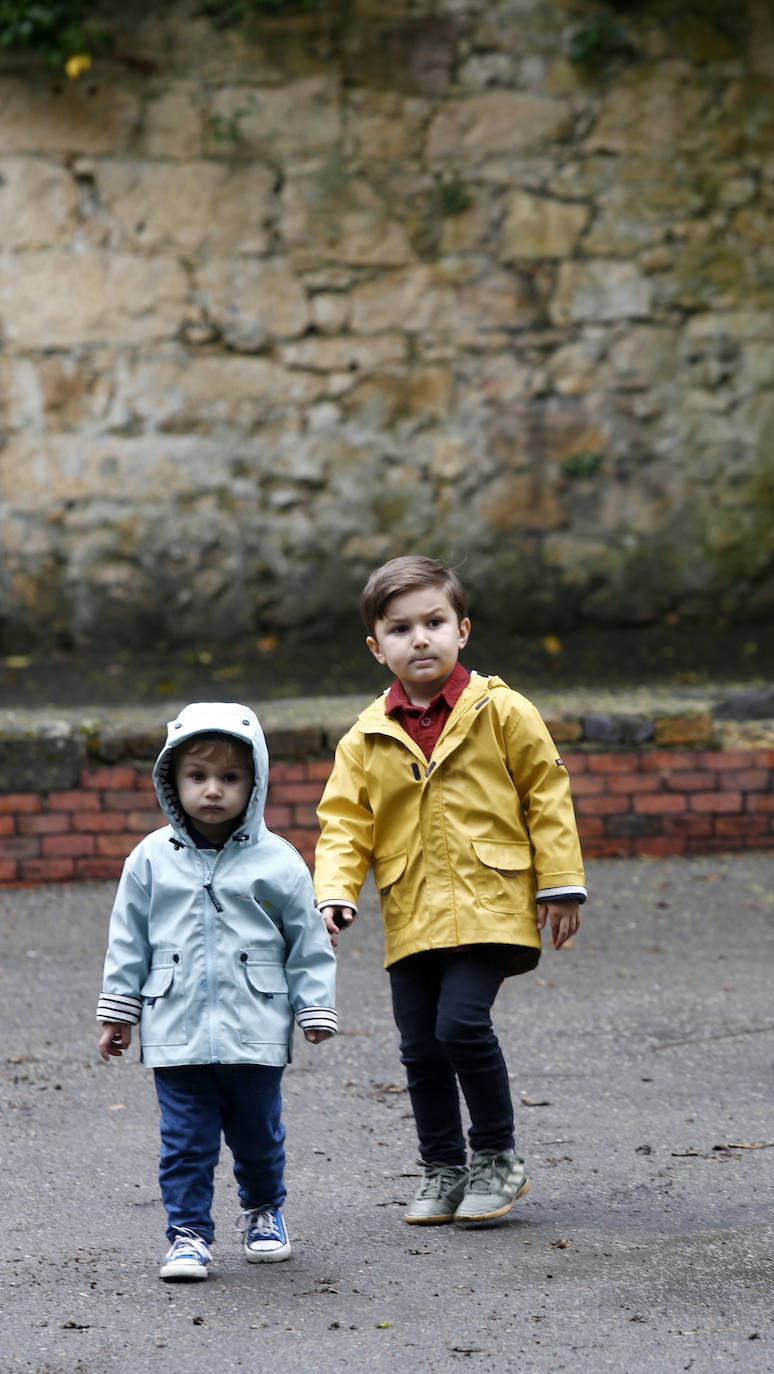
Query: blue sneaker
[(188, 1257), (263, 1235)]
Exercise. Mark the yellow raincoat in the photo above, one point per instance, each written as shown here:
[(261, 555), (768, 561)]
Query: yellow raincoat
[(463, 846)]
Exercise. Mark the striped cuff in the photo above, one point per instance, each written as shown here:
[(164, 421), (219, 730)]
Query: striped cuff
[(338, 901), (562, 894), (318, 1018), (119, 1010)]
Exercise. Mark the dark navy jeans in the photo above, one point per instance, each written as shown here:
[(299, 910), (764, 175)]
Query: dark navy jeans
[(199, 1102), (442, 1000)]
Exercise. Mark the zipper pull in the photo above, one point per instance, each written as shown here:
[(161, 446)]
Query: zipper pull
[(212, 897)]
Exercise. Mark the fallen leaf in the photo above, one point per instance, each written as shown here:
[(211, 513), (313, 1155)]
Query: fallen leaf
[(561, 1244), (532, 1102), (382, 1326), (118, 1107)]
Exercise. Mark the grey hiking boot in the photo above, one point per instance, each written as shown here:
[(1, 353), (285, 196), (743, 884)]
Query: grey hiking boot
[(497, 1178), (438, 1195)]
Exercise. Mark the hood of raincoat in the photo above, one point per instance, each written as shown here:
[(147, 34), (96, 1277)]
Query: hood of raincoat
[(222, 718)]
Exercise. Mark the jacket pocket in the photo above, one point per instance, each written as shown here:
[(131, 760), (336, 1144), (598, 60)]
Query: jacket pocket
[(265, 1015), (163, 1018), (504, 880), (388, 871)]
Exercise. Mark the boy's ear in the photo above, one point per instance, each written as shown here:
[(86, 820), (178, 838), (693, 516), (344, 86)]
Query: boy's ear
[(375, 650), (464, 634)]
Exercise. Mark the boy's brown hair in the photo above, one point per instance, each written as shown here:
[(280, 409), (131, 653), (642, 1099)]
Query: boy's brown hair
[(405, 575), (209, 744)]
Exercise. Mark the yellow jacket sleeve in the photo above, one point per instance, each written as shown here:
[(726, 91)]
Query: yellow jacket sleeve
[(345, 847)]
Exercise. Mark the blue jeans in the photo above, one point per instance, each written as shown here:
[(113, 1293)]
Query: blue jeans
[(442, 1001), (199, 1102)]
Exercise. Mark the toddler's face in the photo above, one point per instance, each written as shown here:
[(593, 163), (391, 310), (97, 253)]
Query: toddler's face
[(214, 785), (419, 639)]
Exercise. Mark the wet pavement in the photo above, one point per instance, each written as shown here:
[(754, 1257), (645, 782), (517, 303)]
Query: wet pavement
[(641, 1064)]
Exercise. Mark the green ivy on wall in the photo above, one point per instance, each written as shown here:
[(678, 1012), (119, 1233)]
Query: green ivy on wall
[(60, 31), (55, 29)]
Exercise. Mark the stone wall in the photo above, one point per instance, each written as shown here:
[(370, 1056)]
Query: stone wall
[(277, 304)]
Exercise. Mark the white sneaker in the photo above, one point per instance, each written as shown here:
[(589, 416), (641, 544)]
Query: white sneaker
[(264, 1235), (188, 1257)]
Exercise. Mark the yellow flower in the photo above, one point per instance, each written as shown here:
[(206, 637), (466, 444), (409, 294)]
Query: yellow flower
[(78, 63)]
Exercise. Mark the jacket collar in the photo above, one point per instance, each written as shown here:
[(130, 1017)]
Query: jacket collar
[(374, 721)]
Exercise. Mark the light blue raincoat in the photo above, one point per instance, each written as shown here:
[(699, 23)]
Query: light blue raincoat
[(216, 953)]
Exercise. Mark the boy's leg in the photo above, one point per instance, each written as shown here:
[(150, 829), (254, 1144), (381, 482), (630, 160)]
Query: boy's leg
[(464, 1028), (416, 984), (190, 1106), (469, 984)]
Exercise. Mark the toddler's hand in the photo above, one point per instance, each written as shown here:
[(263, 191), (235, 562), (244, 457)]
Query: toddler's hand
[(114, 1039), (315, 1035)]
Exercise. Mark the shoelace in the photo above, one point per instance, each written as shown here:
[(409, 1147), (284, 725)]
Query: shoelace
[(486, 1170), (188, 1243), (437, 1178), (264, 1223)]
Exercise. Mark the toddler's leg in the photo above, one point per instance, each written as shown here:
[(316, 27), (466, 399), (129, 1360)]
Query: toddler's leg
[(190, 1145), (256, 1137), (254, 1133)]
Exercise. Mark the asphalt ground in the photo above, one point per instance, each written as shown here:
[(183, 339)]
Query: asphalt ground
[(641, 1064)]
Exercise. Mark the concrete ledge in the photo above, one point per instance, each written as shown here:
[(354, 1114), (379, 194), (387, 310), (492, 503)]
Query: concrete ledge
[(653, 772)]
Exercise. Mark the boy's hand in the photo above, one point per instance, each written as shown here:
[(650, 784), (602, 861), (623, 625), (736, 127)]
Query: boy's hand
[(114, 1039), (336, 918), (564, 918), (315, 1035)]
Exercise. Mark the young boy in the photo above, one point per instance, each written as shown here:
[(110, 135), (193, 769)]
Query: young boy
[(215, 946), (451, 789)]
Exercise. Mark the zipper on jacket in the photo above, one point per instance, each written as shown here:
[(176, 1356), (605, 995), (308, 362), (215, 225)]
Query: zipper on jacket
[(210, 959)]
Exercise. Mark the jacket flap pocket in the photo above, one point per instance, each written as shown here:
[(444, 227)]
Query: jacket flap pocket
[(268, 978), (507, 856), (387, 870), (158, 982)]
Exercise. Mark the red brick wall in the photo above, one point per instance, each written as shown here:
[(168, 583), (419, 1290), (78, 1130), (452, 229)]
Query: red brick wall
[(654, 802)]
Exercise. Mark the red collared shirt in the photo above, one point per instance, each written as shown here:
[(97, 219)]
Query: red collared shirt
[(425, 723)]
